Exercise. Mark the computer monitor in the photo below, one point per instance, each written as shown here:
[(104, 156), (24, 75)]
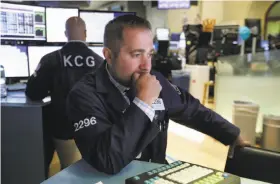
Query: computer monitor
[(174, 41), (56, 19), (35, 53), (22, 22), (96, 22), (175, 37), (15, 60), (162, 34), (250, 23), (98, 50)]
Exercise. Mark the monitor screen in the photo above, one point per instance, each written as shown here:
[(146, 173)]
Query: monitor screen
[(56, 19), (98, 50), (22, 22), (15, 60), (96, 22), (175, 37), (35, 53), (162, 34)]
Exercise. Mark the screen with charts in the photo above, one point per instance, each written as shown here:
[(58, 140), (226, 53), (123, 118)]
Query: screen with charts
[(96, 22), (15, 60), (35, 53), (22, 22), (56, 19), (98, 50), (162, 34)]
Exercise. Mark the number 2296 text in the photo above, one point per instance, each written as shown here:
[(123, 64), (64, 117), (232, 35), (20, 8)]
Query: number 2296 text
[(85, 123)]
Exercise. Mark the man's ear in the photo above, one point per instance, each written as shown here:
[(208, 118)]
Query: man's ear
[(108, 55), (65, 32)]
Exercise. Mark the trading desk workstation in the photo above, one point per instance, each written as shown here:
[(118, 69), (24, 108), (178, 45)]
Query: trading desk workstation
[(24, 122), (22, 138), (81, 172), (24, 154)]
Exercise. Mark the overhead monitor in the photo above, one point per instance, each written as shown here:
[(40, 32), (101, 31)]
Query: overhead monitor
[(98, 50), (162, 34), (96, 22), (56, 19), (22, 22), (35, 54), (15, 60), (177, 4)]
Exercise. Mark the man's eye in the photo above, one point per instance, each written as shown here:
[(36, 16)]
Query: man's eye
[(136, 55)]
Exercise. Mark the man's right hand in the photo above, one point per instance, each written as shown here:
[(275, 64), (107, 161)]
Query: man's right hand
[(147, 87)]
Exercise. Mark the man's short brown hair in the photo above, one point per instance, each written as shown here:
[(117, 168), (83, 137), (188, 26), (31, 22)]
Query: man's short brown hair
[(113, 35)]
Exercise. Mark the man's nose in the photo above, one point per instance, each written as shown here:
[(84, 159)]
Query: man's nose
[(145, 63)]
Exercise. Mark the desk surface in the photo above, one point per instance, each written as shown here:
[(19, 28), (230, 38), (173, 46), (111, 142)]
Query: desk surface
[(18, 98), (83, 173)]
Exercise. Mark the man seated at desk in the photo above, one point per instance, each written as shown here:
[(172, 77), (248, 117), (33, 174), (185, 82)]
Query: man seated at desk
[(121, 112)]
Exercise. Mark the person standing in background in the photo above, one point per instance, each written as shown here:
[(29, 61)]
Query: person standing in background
[(55, 75)]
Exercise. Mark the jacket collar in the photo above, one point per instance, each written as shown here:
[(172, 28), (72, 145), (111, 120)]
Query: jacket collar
[(102, 79), (120, 87), (105, 86)]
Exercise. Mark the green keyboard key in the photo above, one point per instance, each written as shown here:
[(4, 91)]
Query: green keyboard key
[(152, 180), (156, 178), (136, 178)]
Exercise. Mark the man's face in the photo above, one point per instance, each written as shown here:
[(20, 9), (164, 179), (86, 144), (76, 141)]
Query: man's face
[(134, 56)]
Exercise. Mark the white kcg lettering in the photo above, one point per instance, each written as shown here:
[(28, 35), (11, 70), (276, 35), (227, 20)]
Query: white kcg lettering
[(78, 61), (85, 123)]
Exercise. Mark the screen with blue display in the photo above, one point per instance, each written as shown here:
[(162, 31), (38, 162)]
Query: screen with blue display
[(96, 22)]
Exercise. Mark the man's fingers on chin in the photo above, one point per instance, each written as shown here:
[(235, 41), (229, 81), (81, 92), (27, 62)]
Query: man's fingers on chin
[(135, 76)]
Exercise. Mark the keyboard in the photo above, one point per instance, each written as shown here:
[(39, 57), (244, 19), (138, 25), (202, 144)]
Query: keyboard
[(180, 172), (16, 87)]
